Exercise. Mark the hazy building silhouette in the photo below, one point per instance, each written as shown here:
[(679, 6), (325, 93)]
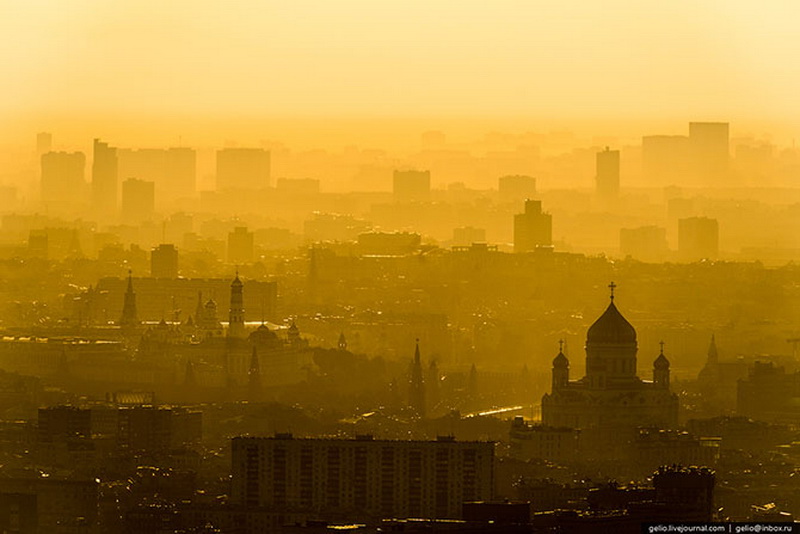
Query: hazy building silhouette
[(698, 238), (709, 151), (164, 261), (173, 170), (646, 243), (516, 187), (409, 186), (611, 395), (236, 313), (243, 168), (240, 246), (138, 200), (533, 228), (607, 177), (62, 178), (665, 159), (104, 179), (367, 478)]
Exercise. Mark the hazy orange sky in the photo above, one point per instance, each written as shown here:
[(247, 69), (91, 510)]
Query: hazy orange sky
[(683, 59)]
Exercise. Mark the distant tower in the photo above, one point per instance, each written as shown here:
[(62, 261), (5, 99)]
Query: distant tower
[(236, 314), (661, 370), (532, 229), (607, 178), (104, 179), (254, 377), (560, 368), (342, 345), (129, 316), (416, 389)]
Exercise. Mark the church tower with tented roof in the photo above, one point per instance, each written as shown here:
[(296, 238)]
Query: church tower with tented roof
[(611, 395)]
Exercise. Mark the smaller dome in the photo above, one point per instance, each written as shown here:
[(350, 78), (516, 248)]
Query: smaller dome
[(560, 361), (661, 362)]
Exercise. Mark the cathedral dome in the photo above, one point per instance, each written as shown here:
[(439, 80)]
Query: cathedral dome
[(611, 327), (661, 362)]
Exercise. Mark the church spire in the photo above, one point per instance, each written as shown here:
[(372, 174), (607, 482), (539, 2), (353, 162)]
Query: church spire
[(416, 389), (713, 357), (129, 315)]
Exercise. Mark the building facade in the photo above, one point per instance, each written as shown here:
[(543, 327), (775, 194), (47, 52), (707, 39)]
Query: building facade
[(361, 478)]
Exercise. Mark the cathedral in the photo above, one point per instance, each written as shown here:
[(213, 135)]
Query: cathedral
[(611, 395)]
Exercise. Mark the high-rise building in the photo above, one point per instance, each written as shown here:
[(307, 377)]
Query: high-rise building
[(62, 177), (709, 151), (533, 228), (240, 245), (362, 478), (411, 185), (164, 261), (173, 170), (138, 200), (646, 243), (516, 187), (104, 179), (607, 168), (243, 168), (698, 238)]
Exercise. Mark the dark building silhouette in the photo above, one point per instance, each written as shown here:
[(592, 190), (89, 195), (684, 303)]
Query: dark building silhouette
[(254, 377), (416, 386), (44, 143), (533, 228), (164, 261), (362, 478), (104, 179), (410, 186), (243, 168), (607, 177), (236, 313), (129, 317), (611, 395)]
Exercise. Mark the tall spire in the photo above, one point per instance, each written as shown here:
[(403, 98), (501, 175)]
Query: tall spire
[(129, 315), (713, 357), (416, 387)]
